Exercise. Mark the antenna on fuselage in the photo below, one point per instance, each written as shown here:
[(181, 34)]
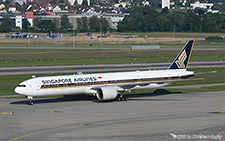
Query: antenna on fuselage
[(79, 73)]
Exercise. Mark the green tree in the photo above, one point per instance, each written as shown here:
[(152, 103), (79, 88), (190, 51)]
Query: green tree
[(141, 19), (52, 26), (79, 24), (220, 22), (155, 3), (25, 25), (104, 24), (150, 14), (85, 2), (36, 21), (147, 19), (6, 25), (137, 19), (165, 10), (208, 23), (82, 24), (201, 11), (94, 24), (163, 24), (43, 25), (121, 27), (178, 19), (65, 24), (193, 22)]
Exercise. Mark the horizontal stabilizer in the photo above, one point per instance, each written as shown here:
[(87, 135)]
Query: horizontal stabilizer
[(205, 72)]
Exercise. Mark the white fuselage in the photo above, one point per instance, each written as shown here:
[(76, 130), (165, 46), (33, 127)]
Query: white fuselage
[(83, 84)]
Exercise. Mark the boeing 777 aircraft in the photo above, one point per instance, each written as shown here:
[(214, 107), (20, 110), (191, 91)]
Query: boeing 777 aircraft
[(108, 86)]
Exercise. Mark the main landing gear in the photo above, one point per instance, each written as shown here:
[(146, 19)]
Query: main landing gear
[(121, 97), (30, 100)]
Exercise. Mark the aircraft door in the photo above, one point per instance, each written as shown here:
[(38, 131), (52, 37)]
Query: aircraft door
[(169, 77), (138, 77), (37, 86)]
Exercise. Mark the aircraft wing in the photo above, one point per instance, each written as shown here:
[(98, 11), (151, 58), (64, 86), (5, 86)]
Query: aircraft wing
[(129, 86), (124, 87)]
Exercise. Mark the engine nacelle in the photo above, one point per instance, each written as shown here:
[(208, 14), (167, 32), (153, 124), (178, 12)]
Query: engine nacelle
[(106, 93)]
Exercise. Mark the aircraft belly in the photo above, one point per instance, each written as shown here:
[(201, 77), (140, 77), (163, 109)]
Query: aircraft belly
[(60, 91)]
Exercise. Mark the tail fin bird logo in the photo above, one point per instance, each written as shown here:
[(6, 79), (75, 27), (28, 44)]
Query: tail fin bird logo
[(180, 61)]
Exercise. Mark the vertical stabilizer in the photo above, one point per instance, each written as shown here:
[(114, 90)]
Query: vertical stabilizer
[(182, 59)]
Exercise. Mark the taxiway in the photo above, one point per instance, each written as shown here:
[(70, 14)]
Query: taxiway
[(144, 117)]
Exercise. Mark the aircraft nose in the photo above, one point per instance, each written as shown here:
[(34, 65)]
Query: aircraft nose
[(19, 90), (16, 90)]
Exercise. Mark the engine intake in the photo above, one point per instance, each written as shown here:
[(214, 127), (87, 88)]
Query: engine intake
[(106, 93)]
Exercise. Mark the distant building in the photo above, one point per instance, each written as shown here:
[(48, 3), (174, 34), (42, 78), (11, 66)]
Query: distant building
[(46, 2), (212, 11), (110, 15), (71, 2), (21, 2), (121, 4), (201, 5), (16, 19), (79, 2), (112, 19), (145, 3), (166, 3), (2, 9), (12, 7), (29, 17)]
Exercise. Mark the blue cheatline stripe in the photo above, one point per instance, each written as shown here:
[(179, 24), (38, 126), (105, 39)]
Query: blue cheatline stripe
[(111, 82)]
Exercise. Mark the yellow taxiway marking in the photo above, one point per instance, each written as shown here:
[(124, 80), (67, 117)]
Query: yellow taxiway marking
[(7, 113), (74, 126), (54, 129), (89, 124), (57, 111), (36, 133)]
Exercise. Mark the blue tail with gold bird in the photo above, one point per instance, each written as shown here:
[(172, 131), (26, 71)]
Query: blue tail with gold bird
[(182, 59)]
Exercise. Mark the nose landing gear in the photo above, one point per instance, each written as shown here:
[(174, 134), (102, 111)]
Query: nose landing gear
[(30, 100)]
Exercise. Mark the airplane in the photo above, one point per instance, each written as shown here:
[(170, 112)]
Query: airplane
[(108, 86)]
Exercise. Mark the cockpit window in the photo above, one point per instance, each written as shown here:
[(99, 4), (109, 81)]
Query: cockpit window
[(21, 85)]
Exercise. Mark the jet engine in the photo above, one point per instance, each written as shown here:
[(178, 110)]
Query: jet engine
[(106, 93)]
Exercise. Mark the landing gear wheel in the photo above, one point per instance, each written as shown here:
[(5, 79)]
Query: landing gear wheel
[(121, 98), (118, 98), (31, 102), (125, 99)]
